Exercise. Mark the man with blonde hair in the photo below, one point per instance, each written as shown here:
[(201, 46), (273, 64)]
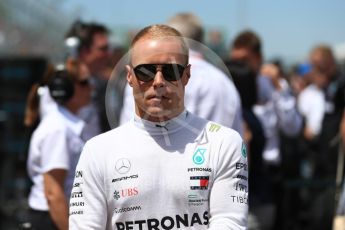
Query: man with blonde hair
[(210, 93), (166, 168)]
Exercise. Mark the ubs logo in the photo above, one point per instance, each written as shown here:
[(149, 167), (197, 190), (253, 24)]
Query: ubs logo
[(123, 166), (128, 192)]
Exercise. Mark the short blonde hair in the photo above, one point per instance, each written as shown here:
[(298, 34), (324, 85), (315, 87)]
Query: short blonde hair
[(161, 31)]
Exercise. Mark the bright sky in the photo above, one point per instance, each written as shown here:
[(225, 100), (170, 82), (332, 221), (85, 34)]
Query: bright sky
[(288, 29)]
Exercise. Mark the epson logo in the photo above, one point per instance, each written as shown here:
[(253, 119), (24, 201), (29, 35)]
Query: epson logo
[(125, 178)]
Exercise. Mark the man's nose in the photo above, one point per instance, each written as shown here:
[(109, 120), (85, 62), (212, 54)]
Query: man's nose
[(159, 80)]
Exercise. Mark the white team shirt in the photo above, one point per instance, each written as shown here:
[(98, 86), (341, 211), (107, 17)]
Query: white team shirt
[(186, 173), (46, 102), (312, 105), (209, 94), (55, 144)]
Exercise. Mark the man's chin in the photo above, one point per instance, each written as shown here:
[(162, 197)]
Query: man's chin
[(158, 113)]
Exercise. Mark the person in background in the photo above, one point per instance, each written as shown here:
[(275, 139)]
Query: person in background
[(39, 102), (55, 147), (210, 94), (275, 111), (216, 43), (89, 43), (321, 105), (164, 155)]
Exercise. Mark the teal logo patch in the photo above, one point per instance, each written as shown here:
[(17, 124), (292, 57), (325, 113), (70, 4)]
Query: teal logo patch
[(198, 157), (244, 150), (116, 195)]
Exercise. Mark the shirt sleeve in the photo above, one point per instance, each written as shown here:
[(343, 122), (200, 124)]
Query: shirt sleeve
[(88, 208), (229, 193), (54, 151)]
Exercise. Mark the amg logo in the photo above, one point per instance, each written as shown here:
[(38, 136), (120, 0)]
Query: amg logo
[(125, 178)]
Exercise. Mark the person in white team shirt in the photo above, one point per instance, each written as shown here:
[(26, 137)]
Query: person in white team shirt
[(55, 147), (210, 93), (166, 168)]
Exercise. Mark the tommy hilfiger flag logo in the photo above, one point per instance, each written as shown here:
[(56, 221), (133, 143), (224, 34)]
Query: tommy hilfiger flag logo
[(199, 182)]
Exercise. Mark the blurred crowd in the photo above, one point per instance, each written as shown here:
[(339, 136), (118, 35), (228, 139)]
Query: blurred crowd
[(291, 118)]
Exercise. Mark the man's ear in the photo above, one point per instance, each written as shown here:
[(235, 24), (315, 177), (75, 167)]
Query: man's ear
[(129, 75), (187, 75)]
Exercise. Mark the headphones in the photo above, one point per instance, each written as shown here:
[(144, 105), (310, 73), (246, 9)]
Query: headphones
[(76, 38), (61, 86)]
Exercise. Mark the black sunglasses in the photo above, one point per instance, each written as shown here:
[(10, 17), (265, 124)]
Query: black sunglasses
[(147, 72)]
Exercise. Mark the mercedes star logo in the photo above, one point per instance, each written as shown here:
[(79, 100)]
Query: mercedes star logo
[(123, 166)]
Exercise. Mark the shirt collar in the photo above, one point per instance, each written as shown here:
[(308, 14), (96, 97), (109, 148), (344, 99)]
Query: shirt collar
[(73, 122), (159, 128)]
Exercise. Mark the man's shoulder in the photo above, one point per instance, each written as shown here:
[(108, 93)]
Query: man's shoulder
[(215, 129), (218, 129)]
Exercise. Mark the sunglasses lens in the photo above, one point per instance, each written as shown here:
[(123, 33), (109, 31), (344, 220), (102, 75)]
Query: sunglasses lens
[(147, 72), (172, 72)]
